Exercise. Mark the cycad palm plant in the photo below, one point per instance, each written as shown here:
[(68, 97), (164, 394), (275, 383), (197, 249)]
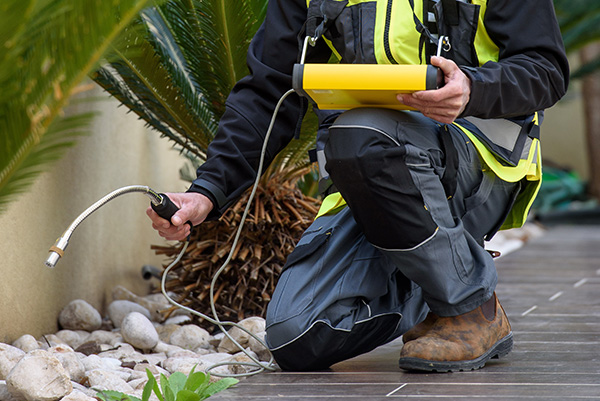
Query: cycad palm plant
[(191, 54)]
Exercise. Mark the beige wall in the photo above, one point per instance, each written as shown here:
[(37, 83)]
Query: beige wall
[(108, 248), (563, 133)]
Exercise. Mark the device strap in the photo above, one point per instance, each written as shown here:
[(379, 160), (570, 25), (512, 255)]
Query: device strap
[(327, 13), (450, 8), (423, 30)]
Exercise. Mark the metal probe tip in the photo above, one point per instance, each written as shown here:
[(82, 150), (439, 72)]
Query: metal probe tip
[(52, 259), (57, 251)]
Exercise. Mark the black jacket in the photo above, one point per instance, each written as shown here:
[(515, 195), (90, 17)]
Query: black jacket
[(531, 75)]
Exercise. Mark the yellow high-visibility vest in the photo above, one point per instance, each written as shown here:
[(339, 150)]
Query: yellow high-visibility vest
[(399, 42)]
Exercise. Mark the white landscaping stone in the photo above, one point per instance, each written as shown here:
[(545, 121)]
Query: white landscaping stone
[(117, 340), (244, 359), (165, 331), (138, 331), (5, 395), (136, 357), (71, 338), (137, 374), (216, 339), (138, 384), (123, 351), (83, 335), (183, 365), (93, 362), (155, 308), (253, 324), (81, 388), (80, 315), (49, 340), (155, 370), (179, 319), (217, 357), (70, 361), (60, 349), (26, 343), (190, 337), (117, 310), (39, 376), (102, 336), (182, 353), (156, 358), (107, 380), (158, 298), (9, 356), (259, 348), (205, 351), (166, 348), (77, 395)]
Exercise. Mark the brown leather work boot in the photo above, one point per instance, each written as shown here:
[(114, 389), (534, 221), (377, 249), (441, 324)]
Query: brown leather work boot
[(464, 342), (420, 329)]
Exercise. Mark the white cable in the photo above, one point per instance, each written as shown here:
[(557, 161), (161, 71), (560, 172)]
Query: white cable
[(58, 249), (216, 321)]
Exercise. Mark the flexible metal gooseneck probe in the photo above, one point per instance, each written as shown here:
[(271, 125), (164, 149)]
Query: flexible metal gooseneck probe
[(58, 249), (166, 209)]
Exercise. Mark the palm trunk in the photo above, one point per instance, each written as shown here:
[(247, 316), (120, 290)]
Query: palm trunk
[(591, 102)]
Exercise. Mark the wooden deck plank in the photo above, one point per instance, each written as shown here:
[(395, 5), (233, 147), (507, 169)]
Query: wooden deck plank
[(550, 290)]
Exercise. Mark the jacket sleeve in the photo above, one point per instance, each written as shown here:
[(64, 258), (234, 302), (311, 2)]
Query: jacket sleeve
[(233, 155), (532, 71)]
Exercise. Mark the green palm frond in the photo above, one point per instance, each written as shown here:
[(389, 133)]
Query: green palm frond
[(189, 57), (47, 48), (62, 133), (135, 96), (579, 22)]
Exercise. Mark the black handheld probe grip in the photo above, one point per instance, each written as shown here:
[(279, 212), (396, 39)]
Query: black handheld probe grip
[(166, 209)]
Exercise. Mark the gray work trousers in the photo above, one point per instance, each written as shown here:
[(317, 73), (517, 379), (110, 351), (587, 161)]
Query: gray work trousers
[(363, 276)]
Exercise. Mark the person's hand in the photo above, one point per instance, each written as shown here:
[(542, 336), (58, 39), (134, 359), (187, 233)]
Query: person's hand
[(192, 206), (444, 104)]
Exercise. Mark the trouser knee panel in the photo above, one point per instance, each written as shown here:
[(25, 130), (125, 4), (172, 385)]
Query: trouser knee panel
[(370, 171)]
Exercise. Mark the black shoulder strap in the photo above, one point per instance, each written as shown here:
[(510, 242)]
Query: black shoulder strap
[(450, 8), (422, 29), (322, 15)]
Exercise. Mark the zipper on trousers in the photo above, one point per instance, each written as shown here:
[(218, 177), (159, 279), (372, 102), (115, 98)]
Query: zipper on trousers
[(386, 33)]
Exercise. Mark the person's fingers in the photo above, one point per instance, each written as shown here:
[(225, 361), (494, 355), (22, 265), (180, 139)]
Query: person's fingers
[(444, 104), (157, 221), (192, 207)]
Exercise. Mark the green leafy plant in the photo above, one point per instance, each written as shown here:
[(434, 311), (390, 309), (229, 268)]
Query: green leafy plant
[(111, 395), (178, 387)]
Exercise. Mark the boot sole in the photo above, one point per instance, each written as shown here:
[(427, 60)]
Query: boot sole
[(498, 350)]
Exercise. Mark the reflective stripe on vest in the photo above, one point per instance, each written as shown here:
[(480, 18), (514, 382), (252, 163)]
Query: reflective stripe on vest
[(400, 40)]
